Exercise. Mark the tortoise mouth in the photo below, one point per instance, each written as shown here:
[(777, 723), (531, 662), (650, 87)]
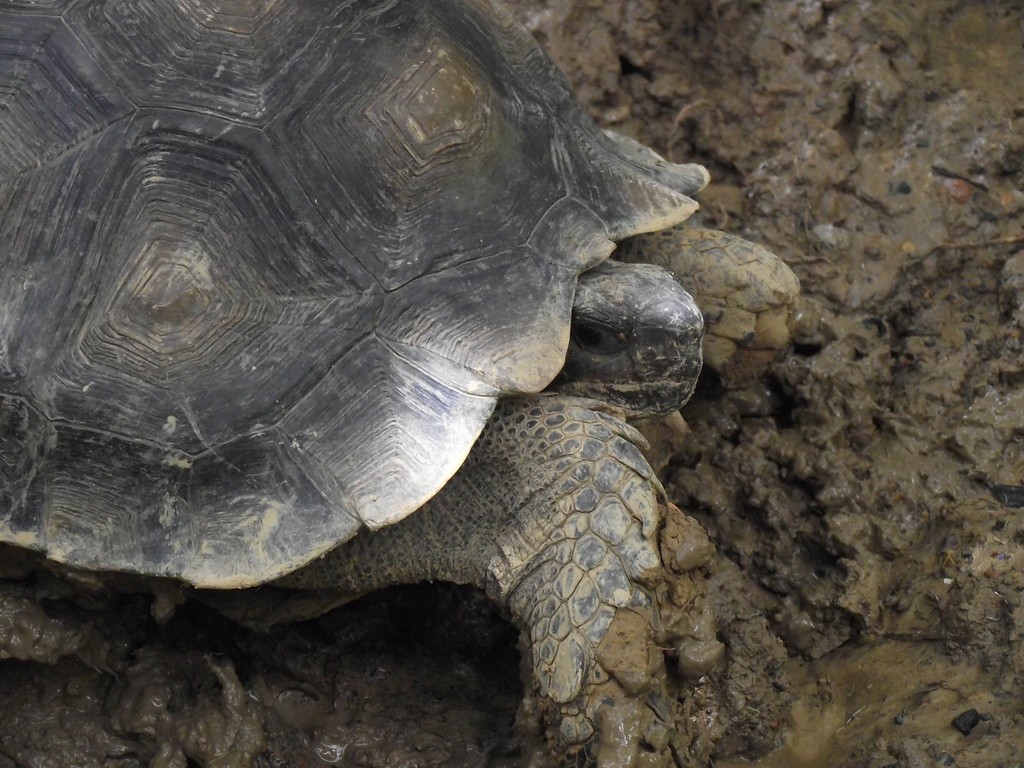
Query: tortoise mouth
[(637, 400)]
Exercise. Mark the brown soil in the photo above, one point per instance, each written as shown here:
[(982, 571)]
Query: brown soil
[(865, 496)]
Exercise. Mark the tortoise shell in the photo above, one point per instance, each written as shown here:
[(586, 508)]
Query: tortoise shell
[(265, 266)]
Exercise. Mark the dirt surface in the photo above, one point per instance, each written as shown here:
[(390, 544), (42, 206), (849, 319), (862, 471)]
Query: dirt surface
[(864, 496)]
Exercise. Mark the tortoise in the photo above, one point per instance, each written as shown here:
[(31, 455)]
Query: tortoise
[(282, 287)]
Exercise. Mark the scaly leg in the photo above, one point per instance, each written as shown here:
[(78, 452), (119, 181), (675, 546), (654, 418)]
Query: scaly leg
[(555, 514)]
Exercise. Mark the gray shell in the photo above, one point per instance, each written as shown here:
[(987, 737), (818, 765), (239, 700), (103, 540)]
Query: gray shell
[(266, 266)]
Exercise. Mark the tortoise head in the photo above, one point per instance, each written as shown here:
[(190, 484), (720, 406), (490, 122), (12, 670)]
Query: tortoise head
[(635, 340)]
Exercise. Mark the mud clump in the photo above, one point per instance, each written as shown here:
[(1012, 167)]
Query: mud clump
[(117, 688)]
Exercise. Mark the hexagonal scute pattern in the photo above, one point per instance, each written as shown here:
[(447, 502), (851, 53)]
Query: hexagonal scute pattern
[(53, 93), (253, 239), (239, 59), (442, 144)]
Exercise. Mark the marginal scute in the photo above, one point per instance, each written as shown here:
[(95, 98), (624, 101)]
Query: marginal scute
[(202, 521), (386, 471), (448, 315), (24, 433), (633, 191), (687, 178), (569, 231), (38, 7)]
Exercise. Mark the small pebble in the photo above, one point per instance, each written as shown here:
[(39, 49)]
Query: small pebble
[(697, 658), (958, 189), (692, 553), (1009, 495), (966, 721)]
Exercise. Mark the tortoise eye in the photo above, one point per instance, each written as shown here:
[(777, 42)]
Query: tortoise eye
[(597, 338)]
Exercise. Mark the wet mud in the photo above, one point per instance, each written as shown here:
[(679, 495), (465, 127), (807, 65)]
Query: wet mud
[(864, 496)]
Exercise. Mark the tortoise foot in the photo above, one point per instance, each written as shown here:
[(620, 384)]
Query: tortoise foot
[(746, 293), (583, 597)]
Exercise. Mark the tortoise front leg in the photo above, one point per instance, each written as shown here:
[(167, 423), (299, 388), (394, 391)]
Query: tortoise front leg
[(746, 293), (579, 559), (555, 514)]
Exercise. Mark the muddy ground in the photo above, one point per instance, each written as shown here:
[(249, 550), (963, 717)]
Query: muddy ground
[(864, 495)]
